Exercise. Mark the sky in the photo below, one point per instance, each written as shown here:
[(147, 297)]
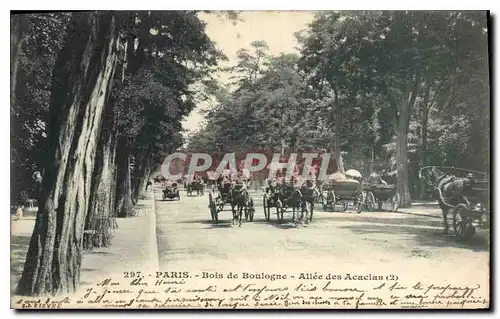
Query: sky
[(277, 28)]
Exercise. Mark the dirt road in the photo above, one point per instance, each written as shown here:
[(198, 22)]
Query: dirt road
[(406, 243)]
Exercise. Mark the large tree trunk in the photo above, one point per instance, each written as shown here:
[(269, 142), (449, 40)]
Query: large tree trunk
[(372, 160), (80, 91), (143, 170), (337, 116), (124, 204), (423, 148), (336, 142), (101, 200), (338, 154), (402, 155), (18, 26)]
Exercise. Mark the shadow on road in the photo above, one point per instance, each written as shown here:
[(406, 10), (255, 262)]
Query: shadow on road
[(410, 220), (429, 237), (221, 224), (18, 249), (415, 214), (196, 221), (283, 224), (286, 223)]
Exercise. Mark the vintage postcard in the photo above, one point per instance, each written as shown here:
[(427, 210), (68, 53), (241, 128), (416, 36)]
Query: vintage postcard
[(250, 160)]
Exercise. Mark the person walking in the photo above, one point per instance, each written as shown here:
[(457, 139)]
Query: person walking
[(19, 212)]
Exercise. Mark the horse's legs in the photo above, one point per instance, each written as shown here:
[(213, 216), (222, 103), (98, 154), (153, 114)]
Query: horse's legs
[(445, 210), (303, 207), (312, 210), (234, 212), (445, 221), (240, 207)]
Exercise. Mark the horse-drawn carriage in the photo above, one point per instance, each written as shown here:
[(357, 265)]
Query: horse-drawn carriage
[(341, 190), (171, 191), (234, 194), (379, 192), (465, 192), (196, 185), (295, 195)]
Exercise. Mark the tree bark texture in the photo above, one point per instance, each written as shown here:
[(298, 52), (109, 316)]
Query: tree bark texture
[(423, 148), (338, 153), (102, 201), (124, 204), (97, 225), (336, 143), (402, 155), (81, 85), (18, 26), (142, 172)]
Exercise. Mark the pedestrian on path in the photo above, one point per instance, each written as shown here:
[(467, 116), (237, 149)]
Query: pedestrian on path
[(19, 212)]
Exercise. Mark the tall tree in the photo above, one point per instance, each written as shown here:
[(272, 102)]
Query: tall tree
[(29, 106), (81, 87)]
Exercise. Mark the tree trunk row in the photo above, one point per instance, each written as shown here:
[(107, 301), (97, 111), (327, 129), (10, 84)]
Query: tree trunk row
[(124, 204)]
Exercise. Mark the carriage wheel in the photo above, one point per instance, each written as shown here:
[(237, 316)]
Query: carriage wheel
[(395, 202), (462, 223), (264, 203), (345, 205), (251, 210), (359, 202), (330, 200), (324, 203), (279, 210), (370, 201)]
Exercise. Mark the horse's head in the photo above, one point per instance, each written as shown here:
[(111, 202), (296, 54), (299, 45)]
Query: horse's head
[(308, 184), (239, 187), (309, 191), (239, 193), (431, 175), (469, 180)]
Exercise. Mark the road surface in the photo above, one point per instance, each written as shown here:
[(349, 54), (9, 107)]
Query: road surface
[(407, 243)]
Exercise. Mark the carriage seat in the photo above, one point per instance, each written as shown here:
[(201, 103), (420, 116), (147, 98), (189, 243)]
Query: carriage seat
[(225, 187), (347, 187)]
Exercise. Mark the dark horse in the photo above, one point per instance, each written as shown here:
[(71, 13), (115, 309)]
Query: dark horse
[(196, 185), (289, 196), (310, 195), (240, 199), (449, 190)]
